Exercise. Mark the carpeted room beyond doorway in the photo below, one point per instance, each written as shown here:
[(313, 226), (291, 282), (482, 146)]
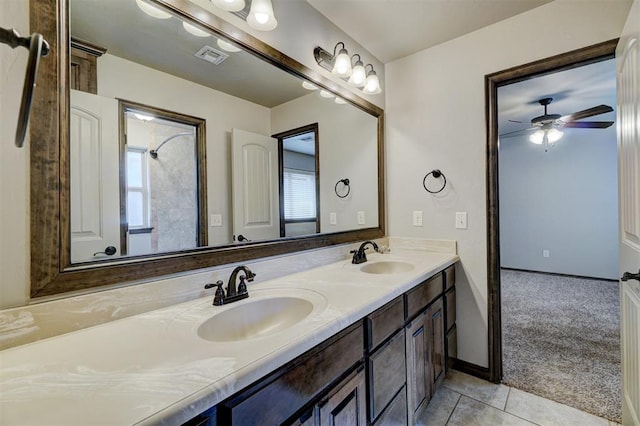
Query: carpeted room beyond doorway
[(561, 339)]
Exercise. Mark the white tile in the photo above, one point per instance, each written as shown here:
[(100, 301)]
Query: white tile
[(549, 413), (439, 409), (472, 412), (481, 390)]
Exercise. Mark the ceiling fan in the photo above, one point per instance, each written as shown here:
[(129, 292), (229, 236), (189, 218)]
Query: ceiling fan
[(547, 127)]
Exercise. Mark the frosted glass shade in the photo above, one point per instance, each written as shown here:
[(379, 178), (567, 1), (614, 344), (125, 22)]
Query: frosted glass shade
[(342, 64), (261, 16), (152, 10), (372, 84), (358, 75), (229, 5)]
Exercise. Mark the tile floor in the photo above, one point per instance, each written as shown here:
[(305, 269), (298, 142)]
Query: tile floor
[(467, 400)]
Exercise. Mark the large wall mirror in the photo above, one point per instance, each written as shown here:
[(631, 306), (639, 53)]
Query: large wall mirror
[(164, 139)]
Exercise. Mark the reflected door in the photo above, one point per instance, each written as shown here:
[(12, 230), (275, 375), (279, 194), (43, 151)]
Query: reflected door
[(256, 210), (95, 203)]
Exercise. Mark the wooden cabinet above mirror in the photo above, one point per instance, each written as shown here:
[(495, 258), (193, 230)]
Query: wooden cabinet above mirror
[(52, 268)]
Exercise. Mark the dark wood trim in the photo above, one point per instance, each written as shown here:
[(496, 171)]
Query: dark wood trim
[(564, 61), (90, 48), (201, 163), (311, 219), (287, 134), (471, 369), (135, 231), (557, 274), (51, 269)]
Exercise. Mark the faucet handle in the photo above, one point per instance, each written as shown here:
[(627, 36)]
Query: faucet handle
[(218, 298), (242, 287)]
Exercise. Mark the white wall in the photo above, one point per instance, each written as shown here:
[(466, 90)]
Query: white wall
[(14, 163), (564, 200), (340, 157), (435, 118)]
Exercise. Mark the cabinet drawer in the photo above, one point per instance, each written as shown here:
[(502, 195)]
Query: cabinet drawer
[(280, 395), (449, 277), (386, 373), (423, 294), (396, 412), (450, 306), (384, 322)]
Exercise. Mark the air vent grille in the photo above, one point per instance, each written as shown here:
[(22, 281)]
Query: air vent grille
[(212, 55)]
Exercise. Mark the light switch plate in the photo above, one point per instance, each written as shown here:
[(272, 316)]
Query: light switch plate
[(333, 218), (417, 218), (361, 218), (461, 220), (216, 219)]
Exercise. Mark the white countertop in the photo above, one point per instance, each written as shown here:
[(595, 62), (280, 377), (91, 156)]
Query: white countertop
[(153, 368)]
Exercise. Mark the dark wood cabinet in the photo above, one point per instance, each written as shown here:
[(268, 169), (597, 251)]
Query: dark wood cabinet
[(382, 370), (346, 403)]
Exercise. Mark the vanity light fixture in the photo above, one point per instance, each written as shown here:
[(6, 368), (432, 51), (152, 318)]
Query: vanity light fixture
[(225, 45), (193, 30), (229, 5), (152, 10), (261, 15), (340, 64)]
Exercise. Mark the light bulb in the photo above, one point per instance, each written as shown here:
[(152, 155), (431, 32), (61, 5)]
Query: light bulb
[(537, 137), (261, 15), (372, 84), (554, 135), (193, 30), (229, 5), (152, 10), (342, 64), (309, 86), (358, 75), (225, 45)]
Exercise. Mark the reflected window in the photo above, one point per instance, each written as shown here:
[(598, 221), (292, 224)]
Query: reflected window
[(137, 188), (299, 188)]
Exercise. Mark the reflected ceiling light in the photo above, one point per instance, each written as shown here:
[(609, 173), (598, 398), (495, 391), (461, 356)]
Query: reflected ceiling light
[(372, 83), (143, 117), (554, 135), (225, 45), (551, 136), (152, 10), (340, 101), (193, 30), (358, 73), (309, 86), (326, 94), (340, 65), (229, 5), (537, 137), (261, 15)]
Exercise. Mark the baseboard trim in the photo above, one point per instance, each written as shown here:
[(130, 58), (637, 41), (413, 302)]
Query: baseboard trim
[(559, 274), (471, 369)]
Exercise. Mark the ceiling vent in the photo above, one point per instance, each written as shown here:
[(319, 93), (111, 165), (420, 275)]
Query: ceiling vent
[(212, 55)]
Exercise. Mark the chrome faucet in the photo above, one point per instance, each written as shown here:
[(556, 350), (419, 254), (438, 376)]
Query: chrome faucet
[(232, 294), (359, 256)]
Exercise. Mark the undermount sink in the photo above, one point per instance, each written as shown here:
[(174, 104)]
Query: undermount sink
[(256, 318), (387, 267)]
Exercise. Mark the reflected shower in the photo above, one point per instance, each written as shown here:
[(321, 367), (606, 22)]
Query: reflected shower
[(154, 152)]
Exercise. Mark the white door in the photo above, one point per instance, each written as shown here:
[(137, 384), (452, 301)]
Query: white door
[(628, 80), (256, 202), (95, 181)]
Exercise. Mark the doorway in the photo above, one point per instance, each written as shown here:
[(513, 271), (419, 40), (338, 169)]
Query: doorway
[(493, 82)]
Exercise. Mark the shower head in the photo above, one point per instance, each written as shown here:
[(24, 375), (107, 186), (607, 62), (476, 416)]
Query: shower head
[(154, 152)]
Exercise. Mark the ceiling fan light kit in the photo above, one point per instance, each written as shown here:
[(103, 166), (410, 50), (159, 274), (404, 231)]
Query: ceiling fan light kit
[(547, 128)]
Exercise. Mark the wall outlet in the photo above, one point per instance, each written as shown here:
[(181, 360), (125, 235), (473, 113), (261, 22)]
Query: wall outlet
[(417, 218), (361, 218), (216, 219), (545, 253), (333, 218), (461, 220)]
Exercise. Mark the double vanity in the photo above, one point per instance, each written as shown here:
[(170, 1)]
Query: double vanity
[(342, 341)]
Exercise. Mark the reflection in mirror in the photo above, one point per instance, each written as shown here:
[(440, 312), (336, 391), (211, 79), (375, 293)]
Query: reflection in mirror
[(154, 58)]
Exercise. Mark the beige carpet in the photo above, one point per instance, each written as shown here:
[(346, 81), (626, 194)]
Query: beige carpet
[(561, 340)]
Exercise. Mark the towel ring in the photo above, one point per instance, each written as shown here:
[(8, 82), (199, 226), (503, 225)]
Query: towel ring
[(38, 47), (344, 182), (436, 174)]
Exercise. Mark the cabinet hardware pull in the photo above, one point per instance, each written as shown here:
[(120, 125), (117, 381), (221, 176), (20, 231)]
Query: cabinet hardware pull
[(629, 276)]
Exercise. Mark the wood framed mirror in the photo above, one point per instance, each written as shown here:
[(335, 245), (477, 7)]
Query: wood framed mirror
[(52, 269)]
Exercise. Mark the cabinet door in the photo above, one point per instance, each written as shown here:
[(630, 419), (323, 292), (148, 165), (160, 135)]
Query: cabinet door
[(386, 373), (435, 315), (418, 370), (346, 406)]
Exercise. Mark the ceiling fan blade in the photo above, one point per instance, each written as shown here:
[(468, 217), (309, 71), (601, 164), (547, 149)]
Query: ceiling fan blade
[(516, 133), (597, 110), (588, 124)]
